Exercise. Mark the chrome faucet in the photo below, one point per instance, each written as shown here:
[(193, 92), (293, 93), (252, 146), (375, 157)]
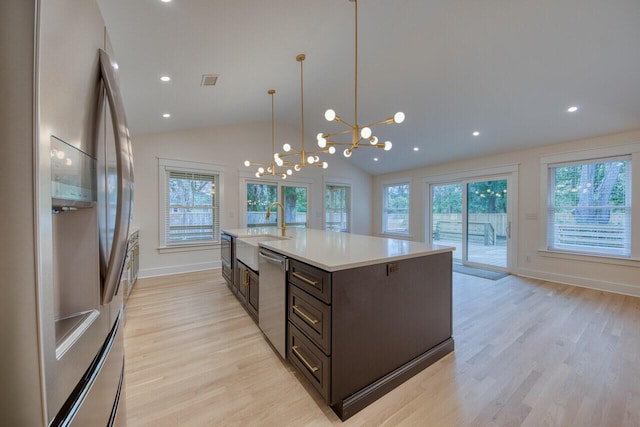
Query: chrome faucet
[(284, 224)]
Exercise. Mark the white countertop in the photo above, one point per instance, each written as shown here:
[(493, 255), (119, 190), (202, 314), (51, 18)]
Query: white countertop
[(333, 251)]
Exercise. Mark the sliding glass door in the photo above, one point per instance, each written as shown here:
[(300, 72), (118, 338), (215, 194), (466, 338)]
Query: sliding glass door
[(487, 223), (473, 216), (446, 217)]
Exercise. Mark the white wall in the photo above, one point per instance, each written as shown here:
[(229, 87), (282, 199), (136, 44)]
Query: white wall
[(228, 146), (622, 277)]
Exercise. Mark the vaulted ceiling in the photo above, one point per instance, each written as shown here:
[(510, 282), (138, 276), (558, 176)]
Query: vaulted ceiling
[(507, 69)]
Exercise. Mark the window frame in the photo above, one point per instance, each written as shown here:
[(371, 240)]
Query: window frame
[(247, 178), (587, 156), (554, 244), (165, 167), (294, 184), (383, 223), (348, 202)]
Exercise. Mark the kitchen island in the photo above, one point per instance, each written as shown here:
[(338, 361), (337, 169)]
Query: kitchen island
[(363, 314)]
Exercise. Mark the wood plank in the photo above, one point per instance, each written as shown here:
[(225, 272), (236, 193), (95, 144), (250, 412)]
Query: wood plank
[(528, 353)]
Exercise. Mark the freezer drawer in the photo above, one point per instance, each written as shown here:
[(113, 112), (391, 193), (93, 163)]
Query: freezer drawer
[(98, 399)]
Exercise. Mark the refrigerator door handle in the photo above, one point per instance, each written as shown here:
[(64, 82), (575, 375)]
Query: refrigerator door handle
[(124, 179)]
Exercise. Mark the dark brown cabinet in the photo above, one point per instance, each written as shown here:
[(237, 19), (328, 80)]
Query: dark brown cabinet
[(241, 280), (248, 289), (356, 334)]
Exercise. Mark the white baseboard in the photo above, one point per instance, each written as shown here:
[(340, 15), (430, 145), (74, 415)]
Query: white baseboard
[(178, 269), (600, 285)]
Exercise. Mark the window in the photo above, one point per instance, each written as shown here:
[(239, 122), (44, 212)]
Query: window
[(294, 200), (261, 195), (337, 200), (395, 209), (190, 194), (589, 206)]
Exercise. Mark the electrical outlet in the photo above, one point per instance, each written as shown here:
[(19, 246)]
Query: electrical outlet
[(392, 268)]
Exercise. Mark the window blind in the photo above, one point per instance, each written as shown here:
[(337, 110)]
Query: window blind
[(589, 207), (192, 208)]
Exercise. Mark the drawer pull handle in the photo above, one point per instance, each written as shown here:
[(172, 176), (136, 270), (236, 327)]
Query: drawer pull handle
[(245, 279), (307, 364), (304, 279), (305, 315)]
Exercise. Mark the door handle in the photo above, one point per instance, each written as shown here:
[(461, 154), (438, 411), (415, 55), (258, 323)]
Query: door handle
[(124, 166), (508, 229)]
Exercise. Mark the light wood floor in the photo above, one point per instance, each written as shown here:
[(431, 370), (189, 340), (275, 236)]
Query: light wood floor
[(528, 353)]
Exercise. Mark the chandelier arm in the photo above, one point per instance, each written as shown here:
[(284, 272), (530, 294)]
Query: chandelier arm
[(381, 122), (342, 132), (340, 120), (339, 143), (289, 154)]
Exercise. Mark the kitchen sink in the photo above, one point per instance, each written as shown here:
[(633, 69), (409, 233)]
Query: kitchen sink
[(247, 248)]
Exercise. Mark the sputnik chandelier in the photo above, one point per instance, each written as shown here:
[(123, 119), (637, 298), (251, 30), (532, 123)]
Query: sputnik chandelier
[(302, 158), (273, 168), (358, 133)]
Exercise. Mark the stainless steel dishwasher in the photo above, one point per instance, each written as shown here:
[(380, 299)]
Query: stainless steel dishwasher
[(272, 298)]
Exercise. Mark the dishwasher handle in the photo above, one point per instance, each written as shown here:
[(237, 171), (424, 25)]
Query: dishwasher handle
[(273, 260)]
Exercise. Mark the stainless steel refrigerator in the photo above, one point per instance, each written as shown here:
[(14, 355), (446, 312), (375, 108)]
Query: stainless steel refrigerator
[(66, 182)]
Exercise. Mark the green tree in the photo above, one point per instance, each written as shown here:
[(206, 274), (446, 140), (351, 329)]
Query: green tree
[(487, 196), (447, 199), (590, 190)]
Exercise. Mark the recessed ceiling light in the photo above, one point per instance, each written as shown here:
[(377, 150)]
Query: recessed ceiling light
[(375, 159), (165, 78), (475, 133), (166, 115), (165, 1), (416, 149), (572, 109)]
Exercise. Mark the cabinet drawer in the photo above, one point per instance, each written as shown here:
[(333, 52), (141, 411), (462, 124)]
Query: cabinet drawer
[(310, 361), (311, 316), (313, 280)]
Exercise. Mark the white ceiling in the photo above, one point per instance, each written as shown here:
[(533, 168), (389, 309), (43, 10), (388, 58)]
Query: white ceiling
[(507, 68)]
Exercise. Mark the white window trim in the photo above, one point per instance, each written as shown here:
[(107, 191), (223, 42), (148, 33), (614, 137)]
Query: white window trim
[(387, 183), (247, 177), (342, 182), (632, 150), (166, 165)]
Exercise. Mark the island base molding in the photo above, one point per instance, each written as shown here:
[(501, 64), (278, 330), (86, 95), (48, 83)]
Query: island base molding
[(361, 399)]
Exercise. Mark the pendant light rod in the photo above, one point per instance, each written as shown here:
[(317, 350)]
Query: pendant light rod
[(303, 158), (300, 58), (273, 133), (358, 133), (355, 68), (272, 167)]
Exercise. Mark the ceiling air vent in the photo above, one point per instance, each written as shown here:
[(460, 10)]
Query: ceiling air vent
[(209, 80)]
